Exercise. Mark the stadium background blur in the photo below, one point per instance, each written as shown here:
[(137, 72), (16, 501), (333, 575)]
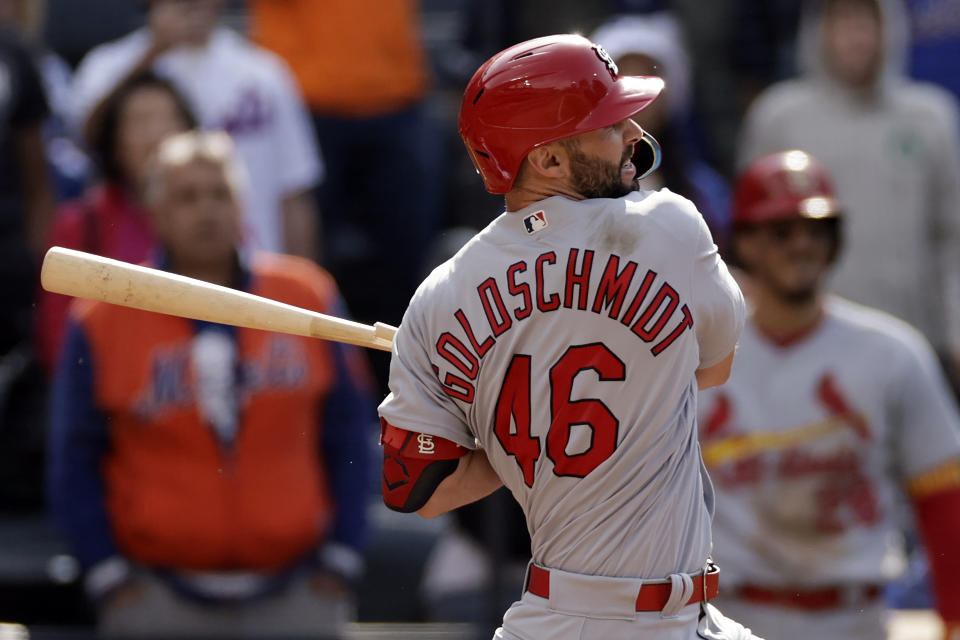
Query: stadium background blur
[(735, 48)]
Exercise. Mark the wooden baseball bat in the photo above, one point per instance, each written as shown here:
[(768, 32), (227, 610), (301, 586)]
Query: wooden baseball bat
[(85, 275)]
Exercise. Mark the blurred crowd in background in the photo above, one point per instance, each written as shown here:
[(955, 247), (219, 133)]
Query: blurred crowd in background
[(332, 139)]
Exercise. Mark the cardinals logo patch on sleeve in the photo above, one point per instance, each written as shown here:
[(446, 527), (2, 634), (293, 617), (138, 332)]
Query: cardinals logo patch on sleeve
[(535, 221)]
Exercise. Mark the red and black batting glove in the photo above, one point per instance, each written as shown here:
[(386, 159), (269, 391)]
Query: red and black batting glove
[(414, 465)]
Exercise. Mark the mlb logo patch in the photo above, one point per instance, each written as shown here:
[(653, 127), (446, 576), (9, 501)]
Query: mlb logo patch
[(535, 221)]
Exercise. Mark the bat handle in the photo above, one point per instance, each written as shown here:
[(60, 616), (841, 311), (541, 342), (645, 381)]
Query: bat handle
[(384, 331)]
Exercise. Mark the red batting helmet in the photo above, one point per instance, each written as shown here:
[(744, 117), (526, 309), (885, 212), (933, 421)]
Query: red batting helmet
[(541, 91), (781, 186)]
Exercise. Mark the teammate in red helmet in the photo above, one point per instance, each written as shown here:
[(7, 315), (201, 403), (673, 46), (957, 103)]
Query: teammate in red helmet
[(832, 412), (784, 186), (560, 351)]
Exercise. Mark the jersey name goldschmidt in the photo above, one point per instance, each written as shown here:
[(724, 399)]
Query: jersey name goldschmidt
[(563, 339)]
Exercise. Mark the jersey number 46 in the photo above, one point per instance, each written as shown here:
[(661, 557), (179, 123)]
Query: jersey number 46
[(514, 408)]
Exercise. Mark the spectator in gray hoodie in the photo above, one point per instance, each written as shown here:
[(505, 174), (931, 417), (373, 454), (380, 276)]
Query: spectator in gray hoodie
[(891, 145)]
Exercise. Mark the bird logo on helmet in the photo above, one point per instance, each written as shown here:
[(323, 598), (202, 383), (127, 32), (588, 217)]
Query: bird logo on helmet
[(541, 91)]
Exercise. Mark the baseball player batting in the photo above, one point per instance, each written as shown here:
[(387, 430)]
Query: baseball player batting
[(560, 351), (831, 413)]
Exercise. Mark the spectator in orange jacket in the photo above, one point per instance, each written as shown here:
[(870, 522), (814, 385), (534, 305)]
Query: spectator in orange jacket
[(194, 464)]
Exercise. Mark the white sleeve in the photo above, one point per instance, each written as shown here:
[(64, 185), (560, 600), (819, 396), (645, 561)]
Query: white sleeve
[(417, 401), (301, 167), (928, 425), (718, 308)]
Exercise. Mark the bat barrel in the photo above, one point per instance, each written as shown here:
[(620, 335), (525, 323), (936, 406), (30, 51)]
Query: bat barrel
[(84, 275)]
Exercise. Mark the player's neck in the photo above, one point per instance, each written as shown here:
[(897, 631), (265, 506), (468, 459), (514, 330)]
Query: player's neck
[(785, 322), (533, 191)]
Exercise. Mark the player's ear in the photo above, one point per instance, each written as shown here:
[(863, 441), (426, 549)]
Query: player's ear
[(549, 161)]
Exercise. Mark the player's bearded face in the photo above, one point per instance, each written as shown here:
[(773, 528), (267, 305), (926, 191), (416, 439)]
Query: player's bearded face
[(595, 177)]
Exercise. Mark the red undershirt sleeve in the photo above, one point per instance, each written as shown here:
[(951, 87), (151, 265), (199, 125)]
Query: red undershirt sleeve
[(936, 499)]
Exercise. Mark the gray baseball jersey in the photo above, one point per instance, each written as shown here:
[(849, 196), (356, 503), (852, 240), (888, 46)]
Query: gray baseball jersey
[(810, 443), (563, 339)]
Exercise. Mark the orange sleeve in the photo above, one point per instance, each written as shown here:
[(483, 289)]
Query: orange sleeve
[(352, 58)]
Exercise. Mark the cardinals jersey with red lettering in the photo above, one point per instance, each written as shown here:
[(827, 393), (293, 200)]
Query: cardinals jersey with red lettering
[(563, 339), (810, 445)]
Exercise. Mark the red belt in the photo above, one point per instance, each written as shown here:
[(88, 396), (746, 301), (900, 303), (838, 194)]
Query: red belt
[(652, 597), (810, 599)]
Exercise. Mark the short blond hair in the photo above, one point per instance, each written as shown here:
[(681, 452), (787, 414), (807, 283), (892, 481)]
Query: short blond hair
[(180, 149)]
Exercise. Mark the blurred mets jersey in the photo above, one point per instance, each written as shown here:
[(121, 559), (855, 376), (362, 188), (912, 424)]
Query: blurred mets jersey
[(236, 87), (810, 445), (563, 339)]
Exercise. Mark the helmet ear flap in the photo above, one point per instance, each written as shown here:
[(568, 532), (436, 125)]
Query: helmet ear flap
[(647, 156)]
